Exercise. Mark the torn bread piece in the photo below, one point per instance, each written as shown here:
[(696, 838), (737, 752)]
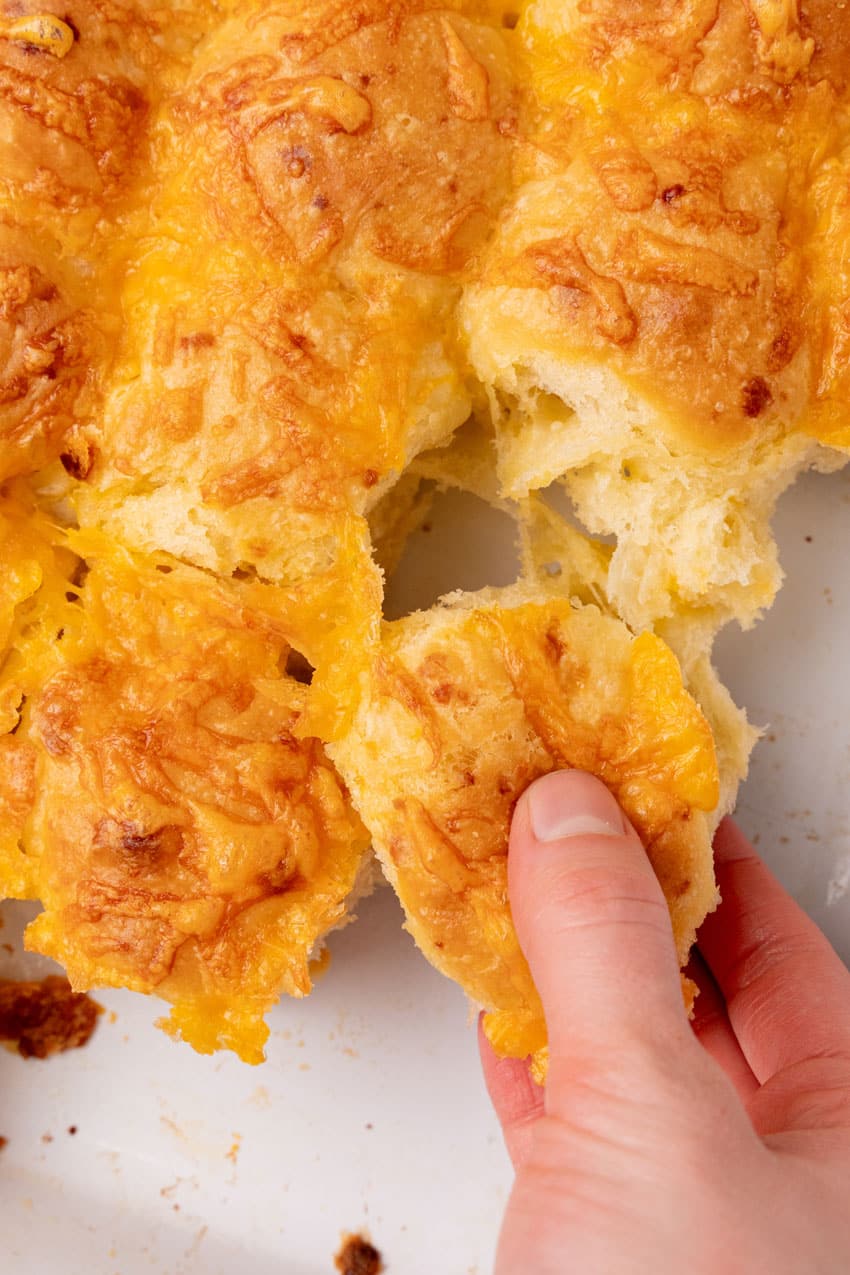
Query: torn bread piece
[(470, 702), (659, 318), (557, 559), (184, 838)]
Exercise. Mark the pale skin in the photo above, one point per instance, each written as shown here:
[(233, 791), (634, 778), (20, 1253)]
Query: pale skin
[(659, 1146)]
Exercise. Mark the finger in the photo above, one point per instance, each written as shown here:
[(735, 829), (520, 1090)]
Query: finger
[(714, 1032), (517, 1100), (786, 991), (592, 922)]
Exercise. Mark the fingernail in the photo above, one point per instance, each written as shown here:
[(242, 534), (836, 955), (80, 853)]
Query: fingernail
[(570, 803)]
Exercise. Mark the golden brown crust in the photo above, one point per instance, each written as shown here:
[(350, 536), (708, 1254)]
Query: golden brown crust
[(73, 113), (671, 247), (465, 708), (186, 840), (328, 173)]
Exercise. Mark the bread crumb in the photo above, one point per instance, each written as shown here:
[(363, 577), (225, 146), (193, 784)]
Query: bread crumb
[(358, 1257), (45, 1017)]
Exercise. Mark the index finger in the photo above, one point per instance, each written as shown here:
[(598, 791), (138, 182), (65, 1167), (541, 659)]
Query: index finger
[(786, 990)]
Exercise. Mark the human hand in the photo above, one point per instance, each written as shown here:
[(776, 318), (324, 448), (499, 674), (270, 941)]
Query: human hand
[(719, 1147)]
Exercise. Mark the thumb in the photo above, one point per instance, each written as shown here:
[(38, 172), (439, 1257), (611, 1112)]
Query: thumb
[(592, 921)]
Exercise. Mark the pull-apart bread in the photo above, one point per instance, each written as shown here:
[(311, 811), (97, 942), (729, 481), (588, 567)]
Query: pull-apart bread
[(269, 273), (661, 319)]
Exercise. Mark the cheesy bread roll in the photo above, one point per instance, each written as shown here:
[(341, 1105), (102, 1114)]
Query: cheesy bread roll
[(322, 184), (78, 83), (649, 319), (187, 839), (470, 702)]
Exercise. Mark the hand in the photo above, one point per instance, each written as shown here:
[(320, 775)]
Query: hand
[(719, 1147)]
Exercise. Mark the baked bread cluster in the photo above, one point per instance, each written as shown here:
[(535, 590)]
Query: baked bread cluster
[(273, 271)]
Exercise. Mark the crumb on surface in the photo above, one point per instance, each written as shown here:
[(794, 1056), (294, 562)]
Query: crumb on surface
[(4, 1142), (45, 1017), (358, 1257)]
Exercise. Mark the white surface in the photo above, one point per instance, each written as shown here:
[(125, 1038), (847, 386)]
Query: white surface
[(370, 1114), (792, 673)]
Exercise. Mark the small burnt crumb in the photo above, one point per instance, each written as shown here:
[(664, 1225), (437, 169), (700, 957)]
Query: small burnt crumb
[(755, 397), (298, 667), (365, 81), (627, 473), (72, 1130), (510, 20), (427, 527), (358, 1257), (672, 193), (370, 477), (321, 202), (468, 778), (808, 540), (4, 1142), (78, 466), (16, 728)]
